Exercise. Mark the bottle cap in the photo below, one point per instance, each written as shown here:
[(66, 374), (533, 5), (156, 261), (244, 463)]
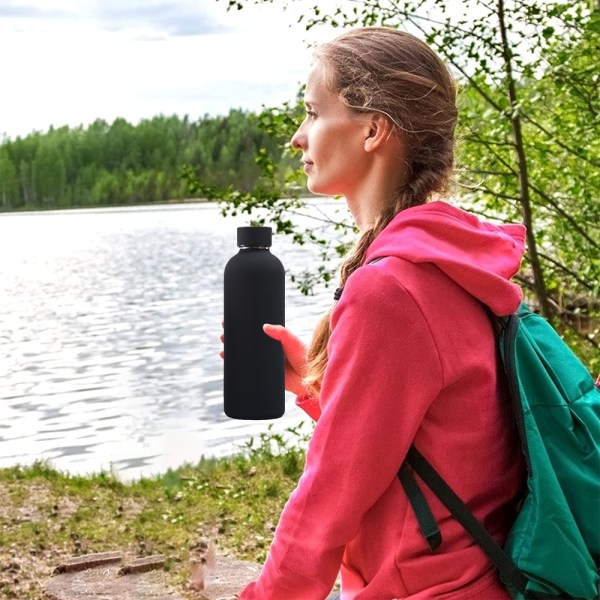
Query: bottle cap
[(253, 237)]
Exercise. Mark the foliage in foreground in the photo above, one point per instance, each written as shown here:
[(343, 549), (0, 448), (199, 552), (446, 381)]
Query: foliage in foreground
[(529, 140)]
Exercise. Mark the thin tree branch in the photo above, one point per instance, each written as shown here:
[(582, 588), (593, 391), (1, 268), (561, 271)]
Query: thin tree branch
[(475, 188), (592, 162), (501, 159), (564, 215), (470, 79), (581, 92), (492, 142), (395, 11), (568, 271), (484, 172), (490, 217), (541, 194)]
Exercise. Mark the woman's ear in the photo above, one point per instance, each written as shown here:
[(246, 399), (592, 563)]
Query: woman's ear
[(379, 130)]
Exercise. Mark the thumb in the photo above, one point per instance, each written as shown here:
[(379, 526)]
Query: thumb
[(277, 332), (292, 345)]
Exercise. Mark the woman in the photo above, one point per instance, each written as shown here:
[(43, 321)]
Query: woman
[(407, 352)]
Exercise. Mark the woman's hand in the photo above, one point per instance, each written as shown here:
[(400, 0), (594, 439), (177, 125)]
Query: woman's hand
[(295, 356)]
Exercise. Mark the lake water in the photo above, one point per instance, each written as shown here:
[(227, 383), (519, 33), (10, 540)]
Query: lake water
[(109, 336)]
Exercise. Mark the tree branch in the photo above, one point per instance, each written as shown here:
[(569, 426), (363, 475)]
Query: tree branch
[(470, 79), (568, 271), (395, 10), (484, 172), (524, 200), (501, 159), (565, 215), (475, 188), (493, 142), (570, 150)]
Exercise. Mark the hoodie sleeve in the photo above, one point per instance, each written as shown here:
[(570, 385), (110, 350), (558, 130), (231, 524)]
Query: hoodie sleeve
[(310, 406), (383, 373)]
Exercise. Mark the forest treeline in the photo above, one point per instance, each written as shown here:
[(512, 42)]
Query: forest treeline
[(122, 163)]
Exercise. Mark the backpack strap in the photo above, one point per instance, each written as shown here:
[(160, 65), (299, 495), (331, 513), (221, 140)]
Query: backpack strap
[(427, 523), (459, 510)]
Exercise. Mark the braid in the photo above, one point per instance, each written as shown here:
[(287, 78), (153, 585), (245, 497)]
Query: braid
[(355, 260)]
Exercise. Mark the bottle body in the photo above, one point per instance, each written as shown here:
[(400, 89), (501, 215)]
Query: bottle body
[(254, 363)]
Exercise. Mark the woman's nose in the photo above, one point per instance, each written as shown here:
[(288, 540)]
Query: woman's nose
[(297, 140)]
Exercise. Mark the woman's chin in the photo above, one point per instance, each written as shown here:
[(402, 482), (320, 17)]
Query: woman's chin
[(318, 190), (312, 186)]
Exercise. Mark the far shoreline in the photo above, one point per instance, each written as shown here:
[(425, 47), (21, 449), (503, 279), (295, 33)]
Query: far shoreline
[(157, 203)]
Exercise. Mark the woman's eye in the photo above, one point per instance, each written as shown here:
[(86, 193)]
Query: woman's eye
[(311, 113)]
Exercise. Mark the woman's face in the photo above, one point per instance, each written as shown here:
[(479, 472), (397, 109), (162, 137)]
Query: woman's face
[(331, 138)]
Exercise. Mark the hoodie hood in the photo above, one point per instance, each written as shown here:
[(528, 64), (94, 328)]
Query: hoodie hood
[(479, 256)]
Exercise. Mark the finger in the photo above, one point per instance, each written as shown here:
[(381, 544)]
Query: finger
[(281, 334), (222, 338), (277, 332), (274, 331), (222, 354)]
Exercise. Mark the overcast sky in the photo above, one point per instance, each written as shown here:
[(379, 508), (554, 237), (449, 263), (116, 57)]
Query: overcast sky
[(67, 62)]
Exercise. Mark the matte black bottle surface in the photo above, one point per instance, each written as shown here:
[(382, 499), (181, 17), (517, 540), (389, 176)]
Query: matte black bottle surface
[(254, 363)]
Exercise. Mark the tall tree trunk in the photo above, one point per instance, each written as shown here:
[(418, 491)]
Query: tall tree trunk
[(524, 199)]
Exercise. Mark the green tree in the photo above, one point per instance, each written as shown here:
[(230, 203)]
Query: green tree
[(49, 174), (9, 185), (529, 144), (27, 183)]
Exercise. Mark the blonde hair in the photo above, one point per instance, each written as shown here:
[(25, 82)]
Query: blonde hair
[(378, 69)]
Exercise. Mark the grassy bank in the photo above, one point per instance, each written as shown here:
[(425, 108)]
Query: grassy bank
[(47, 516)]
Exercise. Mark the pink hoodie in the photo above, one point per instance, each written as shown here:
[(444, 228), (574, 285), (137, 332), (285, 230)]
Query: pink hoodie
[(411, 357)]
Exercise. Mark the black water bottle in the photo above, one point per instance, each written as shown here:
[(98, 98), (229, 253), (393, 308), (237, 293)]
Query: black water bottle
[(254, 363)]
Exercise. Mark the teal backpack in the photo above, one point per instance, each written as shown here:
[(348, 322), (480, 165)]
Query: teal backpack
[(553, 548)]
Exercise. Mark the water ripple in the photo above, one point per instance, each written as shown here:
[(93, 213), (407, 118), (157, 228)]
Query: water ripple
[(109, 337)]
